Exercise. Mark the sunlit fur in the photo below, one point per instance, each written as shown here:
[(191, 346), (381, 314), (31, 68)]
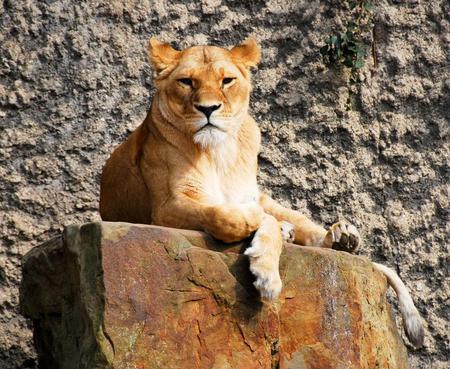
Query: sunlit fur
[(173, 168), (206, 67), (175, 171)]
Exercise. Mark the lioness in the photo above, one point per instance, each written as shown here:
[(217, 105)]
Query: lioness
[(192, 164)]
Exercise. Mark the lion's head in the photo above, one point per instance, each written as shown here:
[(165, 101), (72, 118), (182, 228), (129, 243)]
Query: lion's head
[(204, 90)]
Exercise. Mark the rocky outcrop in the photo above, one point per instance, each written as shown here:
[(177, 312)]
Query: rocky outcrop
[(116, 295), (75, 81)]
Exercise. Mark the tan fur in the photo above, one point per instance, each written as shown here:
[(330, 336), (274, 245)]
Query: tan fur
[(175, 170), (161, 176)]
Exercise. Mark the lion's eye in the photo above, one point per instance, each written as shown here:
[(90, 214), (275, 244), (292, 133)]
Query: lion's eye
[(186, 81), (227, 81)]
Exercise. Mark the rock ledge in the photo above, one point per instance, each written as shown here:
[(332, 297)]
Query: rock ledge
[(117, 295)]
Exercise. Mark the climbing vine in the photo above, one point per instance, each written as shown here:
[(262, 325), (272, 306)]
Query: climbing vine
[(350, 48)]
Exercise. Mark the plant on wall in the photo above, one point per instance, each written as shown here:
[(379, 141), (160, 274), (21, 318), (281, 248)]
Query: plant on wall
[(350, 48)]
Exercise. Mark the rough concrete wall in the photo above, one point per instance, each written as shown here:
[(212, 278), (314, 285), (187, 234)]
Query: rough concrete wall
[(74, 82)]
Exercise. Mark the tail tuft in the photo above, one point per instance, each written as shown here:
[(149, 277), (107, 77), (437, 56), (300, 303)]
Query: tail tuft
[(411, 318), (414, 328)]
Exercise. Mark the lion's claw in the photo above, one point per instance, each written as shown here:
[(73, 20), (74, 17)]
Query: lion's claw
[(342, 236)]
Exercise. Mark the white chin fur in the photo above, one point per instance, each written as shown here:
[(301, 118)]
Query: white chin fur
[(209, 137)]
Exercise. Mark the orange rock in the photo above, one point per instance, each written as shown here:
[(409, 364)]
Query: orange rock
[(117, 295)]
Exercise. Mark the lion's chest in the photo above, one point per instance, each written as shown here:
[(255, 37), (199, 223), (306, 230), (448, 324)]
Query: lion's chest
[(227, 175), (220, 188)]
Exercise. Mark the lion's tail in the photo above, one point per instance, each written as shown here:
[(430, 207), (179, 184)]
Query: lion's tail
[(412, 320)]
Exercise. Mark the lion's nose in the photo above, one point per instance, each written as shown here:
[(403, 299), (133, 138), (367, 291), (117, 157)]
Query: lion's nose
[(207, 110)]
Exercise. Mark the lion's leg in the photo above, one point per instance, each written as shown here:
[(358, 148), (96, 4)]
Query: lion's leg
[(341, 235), (226, 222), (264, 253)]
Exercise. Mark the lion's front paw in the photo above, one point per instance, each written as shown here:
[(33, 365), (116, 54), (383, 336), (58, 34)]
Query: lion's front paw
[(268, 282), (233, 222), (264, 266), (287, 231), (342, 236)]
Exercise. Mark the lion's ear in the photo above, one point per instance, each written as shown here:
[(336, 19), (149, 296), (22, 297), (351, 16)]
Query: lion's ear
[(162, 55), (247, 53)]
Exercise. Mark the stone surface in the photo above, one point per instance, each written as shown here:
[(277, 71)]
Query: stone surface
[(116, 295), (75, 80)]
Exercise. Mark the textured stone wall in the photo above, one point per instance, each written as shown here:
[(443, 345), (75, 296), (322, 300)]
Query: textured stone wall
[(74, 82)]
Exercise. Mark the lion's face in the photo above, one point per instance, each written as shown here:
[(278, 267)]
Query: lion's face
[(204, 90)]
